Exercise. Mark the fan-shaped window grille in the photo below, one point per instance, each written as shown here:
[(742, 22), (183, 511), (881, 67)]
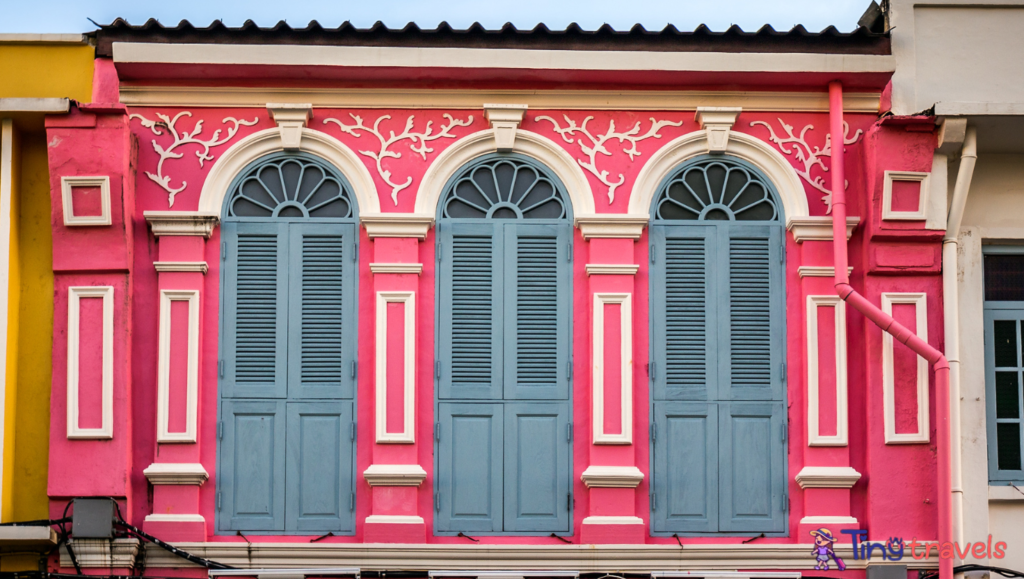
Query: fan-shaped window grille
[(504, 187), (290, 185), (717, 189)]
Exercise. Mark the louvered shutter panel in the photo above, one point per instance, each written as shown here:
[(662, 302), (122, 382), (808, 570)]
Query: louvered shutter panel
[(319, 467), (255, 310), (685, 482), (685, 312), (252, 465), (470, 336), (469, 463), (752, 310), (752, 467), (321, 314), (537, 467), (537, 305)]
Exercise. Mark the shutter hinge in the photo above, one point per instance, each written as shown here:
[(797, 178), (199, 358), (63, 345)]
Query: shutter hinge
[(220, 368), (355, 366), (568, 251), (568, 369), (437, 369), (438, 252), (218, 501), (783, 371), (352, 502), (437, 431), (352, 432), (568, 502), (654, 502), (437, 502), (653, 253), (568, 432), (355, 250), (223, 251), (220, 430), (652, 370), (785, 503), (654, 432), (783, 433)]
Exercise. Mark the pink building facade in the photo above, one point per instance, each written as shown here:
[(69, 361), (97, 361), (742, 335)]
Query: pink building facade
[(421, 301)]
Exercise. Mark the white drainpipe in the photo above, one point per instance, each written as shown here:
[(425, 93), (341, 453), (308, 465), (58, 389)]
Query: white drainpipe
[(951, 317)]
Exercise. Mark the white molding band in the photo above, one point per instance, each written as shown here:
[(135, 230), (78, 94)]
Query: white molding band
[(102, 553), (407, 434), (625, 303), (827, 477), (170, 473), (828, 520), (612, 269), (394, 475), (67, 185), (920, 214), (612, 225), (819, 271), (817, 227), (612, 520), (163, 380), (182, 266), (920, 303), (416, 268), (612, 477), (174, 518), (397, 224), (106, 428), (395, 519), (814, 436), (182, 223)]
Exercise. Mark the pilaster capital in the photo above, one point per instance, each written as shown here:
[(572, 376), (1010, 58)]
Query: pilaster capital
[(183, 223)]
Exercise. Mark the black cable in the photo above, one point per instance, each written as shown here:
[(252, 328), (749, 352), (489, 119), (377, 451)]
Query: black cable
[(167, 547), (65, 539), (37, 523)]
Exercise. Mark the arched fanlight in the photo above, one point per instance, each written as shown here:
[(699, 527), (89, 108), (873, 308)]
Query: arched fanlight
[(717, 189), (504, 187), (290, 185)]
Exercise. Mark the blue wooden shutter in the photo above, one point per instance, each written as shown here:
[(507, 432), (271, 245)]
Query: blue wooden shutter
[(321, 324), (752, 310), (537, 305), (537, 467), (470, 332), (469, 476), (255, 310), (685, 483), (1004, 397), (252, 465), (752, 467), (685, 360), (320, 467)]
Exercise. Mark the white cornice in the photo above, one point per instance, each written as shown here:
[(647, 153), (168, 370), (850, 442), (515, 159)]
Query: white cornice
[(34, 105), (819, 271), (612, 269), (612, 477), (827, 477), (187, 223), (416, 268), (612, 225), (166, 473), (397, 224), (394, 475), (181, 266), (817, 228)]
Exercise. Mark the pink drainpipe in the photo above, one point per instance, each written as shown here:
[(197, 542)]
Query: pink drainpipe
[(888, 324)]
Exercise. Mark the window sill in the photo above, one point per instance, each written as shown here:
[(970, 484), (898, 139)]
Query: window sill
[(1006, 493)]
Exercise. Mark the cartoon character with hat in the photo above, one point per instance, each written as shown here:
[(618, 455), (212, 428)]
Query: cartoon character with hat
[(823, 540)]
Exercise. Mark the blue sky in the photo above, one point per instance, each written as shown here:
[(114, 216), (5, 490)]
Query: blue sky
[(71, 15)]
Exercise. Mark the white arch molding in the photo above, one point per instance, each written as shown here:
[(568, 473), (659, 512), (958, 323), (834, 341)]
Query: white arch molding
[(265, 142), (751, 149), (528, 143)]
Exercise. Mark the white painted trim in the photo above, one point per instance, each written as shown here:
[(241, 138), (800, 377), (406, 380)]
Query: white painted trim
[(717, 123), (814, 437), (395, 519), (408, 434), (40, 38), (68, 183), (182, 266), (612, 269), (827, 477), (163, 386), (1005, 493), (920, 303), (267, 141), (171, 473), (416, 268), (413, 225), (394, 475), (922, 197), (6, 209), (751, 149), (106, 429), (817, 228), (612, 520), (828, 520), (612, 225), (497, 58), (819, 271), (34, 105), (102, 553), (181, 223), (625, 302), (174, 518), (528, 143), (613, 477)]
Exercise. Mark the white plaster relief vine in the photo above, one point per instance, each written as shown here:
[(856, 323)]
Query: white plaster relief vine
[(419, 142), (597, 144), (810, 156), (184, 138)]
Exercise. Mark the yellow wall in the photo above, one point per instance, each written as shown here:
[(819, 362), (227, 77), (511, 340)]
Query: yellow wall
[(39, 70)]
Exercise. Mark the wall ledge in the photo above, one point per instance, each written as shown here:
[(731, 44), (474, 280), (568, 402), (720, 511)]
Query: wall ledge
[(612, 225), (166, 473), (182, 223), (817, 228), (827, 477), (612, 477), (397, 224), (394, 475), (1005, 493)]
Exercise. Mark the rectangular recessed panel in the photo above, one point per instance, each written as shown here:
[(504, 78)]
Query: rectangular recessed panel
[(177, 382), (472, 309), (90, 362), (687, 492), (319, 467), (256, 313), (536, 312), (323, 302), (750, 313), (254, 481), (685, 314)]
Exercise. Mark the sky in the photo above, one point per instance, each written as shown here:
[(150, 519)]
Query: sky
[(52, 16)]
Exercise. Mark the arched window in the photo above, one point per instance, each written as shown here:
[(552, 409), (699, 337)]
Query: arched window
[(717, 350), (287, 368), (504, 235)]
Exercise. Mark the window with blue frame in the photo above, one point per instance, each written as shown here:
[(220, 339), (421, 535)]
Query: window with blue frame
[(717, 251), (1004, 362), (286, 436), (504, 295)]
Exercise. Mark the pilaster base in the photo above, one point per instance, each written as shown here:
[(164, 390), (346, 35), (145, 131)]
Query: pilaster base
[(176, 528), (394, 529), (612, 531), (834, 524)]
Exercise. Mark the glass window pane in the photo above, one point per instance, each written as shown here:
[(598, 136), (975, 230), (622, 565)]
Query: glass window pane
[(1006, 343), (1007, 401), (1004, 277), (1008, 439)]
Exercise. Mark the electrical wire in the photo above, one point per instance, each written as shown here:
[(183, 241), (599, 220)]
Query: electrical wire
[(167, 547)]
